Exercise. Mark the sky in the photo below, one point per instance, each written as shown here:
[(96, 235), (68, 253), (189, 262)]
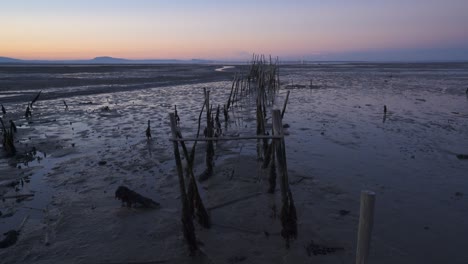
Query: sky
[(232, 30)]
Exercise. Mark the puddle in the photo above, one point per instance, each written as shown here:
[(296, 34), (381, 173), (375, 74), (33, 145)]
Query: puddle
[(224, 68), (34, 206)]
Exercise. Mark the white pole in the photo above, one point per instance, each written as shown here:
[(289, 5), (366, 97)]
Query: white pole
[(366, 221)]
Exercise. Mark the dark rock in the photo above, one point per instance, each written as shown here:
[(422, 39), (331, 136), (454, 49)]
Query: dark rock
[(344, 212), (10, 239), (102, 163), (129, 198)]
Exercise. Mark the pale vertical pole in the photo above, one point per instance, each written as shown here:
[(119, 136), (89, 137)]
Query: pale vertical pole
[(366, 221)]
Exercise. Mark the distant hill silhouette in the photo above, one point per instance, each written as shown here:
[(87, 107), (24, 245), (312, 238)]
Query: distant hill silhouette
[(102, 60), (8, 60), (107, 59)]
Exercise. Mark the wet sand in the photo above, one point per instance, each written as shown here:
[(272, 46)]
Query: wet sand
[(337, 146)]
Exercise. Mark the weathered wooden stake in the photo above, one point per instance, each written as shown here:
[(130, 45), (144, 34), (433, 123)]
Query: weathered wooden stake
[(366, 221), (277, 130), (285, 103), (209, 145), (187, 223), (288, 210)]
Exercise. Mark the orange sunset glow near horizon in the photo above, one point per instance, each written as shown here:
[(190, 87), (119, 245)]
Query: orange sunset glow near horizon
[(207, 29)]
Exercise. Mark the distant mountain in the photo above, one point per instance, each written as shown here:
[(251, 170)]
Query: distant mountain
[(8, 60), (106, 59), (103, 60)]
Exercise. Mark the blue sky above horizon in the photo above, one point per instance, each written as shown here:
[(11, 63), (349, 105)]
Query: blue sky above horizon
[(209, 29)]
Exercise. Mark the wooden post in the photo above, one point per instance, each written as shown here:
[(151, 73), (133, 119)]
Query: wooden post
[(187, 223), (288, 209), (209, 144), (278, 131), (285, 103), (366, 221)]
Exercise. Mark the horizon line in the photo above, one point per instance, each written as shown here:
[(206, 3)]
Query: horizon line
[(115, 60)]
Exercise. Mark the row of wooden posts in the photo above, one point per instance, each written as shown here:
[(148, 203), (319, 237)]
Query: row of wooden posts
[(263, 83), (194, 207), (288, 211)]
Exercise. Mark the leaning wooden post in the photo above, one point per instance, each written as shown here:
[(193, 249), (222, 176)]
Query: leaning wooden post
[(187, 224), (285, 103), (288, 209), (277, 131), (209, 144), (366, 221)]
